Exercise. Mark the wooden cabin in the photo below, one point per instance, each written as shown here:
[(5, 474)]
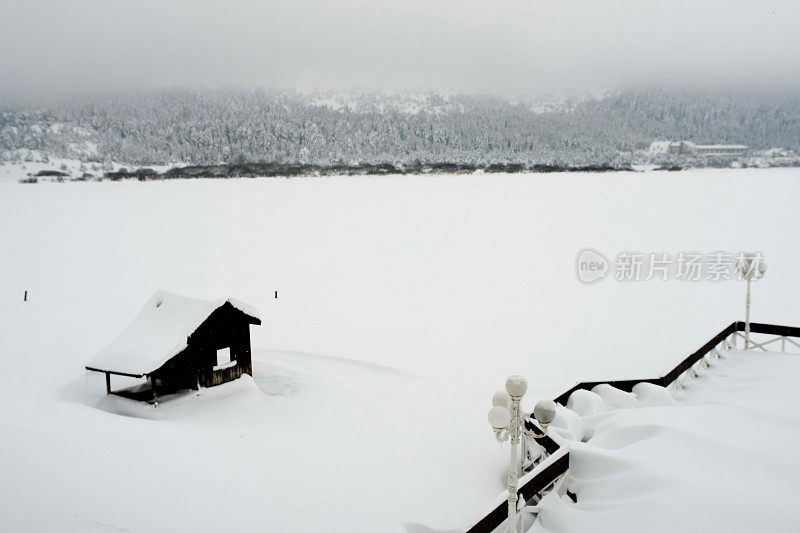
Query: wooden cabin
[(180, 343)]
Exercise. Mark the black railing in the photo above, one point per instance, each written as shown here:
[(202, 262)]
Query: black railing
[(548, 475)]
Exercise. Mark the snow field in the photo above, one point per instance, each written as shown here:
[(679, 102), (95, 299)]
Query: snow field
[(403, 305)]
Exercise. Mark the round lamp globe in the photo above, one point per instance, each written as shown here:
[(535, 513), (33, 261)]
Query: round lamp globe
[(499, 417), (500, 398), (516, 386), (545, 412)]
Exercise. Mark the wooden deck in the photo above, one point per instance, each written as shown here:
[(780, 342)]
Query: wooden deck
[(144, 393)]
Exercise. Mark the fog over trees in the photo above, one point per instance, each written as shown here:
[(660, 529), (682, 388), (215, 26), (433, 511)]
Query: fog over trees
[(212, 126)]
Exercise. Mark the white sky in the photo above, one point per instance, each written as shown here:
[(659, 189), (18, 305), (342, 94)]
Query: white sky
[(496, 46)]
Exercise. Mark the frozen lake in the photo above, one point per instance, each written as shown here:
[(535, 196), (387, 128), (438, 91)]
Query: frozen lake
[(403, 303)]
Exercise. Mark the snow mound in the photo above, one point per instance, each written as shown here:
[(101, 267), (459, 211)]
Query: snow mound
[(616, 398), (586, 403), (618, 437), (651, 395), (569, 423)]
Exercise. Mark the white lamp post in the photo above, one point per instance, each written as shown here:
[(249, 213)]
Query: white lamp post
[(505, 419), (750, 267), (508, 422)]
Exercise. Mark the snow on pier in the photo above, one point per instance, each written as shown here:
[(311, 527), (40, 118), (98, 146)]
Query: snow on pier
[(722, 457)]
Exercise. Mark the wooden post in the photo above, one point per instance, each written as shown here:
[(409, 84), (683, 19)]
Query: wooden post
[(276, 294), (108, 383), (26, 296)]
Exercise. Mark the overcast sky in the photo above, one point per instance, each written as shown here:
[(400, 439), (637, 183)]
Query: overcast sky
[(491, 46)]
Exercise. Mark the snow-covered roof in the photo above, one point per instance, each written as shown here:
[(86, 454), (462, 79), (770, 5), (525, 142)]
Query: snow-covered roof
[(158, 333)]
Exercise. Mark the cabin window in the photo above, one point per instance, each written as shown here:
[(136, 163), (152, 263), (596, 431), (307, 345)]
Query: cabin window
[(224, 359)]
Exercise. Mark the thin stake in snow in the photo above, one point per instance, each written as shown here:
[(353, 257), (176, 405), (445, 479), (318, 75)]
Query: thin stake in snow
[(26, 297), (276, 295)]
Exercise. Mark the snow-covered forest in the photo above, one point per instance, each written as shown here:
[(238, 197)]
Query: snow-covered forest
[(213, 126)]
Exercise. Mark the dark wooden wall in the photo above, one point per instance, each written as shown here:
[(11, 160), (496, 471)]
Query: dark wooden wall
[(194, 366)]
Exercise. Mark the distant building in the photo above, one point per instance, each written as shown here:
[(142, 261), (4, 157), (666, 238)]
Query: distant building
[(180, 343), (690, 148), (659, 147)]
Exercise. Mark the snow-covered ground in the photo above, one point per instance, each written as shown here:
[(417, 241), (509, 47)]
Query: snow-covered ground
[(403, 303), (722, 457)]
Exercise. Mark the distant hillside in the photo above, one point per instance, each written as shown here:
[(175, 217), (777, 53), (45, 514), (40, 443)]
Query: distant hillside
[(238, 126)]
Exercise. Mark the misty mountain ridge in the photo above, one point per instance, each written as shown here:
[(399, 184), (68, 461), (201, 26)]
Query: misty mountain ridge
[(215, 126)]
